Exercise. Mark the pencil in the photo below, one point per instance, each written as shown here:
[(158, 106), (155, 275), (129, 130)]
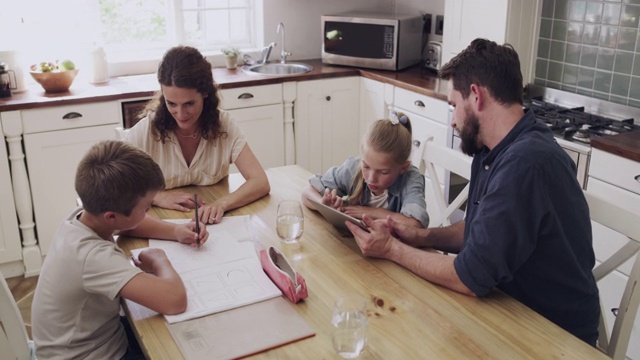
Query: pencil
[(195, 199)]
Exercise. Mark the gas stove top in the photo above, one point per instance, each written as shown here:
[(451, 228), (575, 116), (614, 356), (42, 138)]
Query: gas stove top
[(576, 125)]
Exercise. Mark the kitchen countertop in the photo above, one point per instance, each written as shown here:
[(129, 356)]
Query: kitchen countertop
[(626, 145), (417, 79)]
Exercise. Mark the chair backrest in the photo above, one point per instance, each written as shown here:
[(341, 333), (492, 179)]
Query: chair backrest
[(14, 340), (434, 155), (626, 223)]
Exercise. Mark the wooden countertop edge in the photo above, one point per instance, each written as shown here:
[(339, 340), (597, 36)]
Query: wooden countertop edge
[(625, 145)]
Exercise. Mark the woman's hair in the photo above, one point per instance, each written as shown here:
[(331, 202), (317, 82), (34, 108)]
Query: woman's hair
[(114, 175), (388, 136), (185, 67)]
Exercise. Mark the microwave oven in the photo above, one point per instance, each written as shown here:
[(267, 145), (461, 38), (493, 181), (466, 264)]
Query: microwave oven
[(370, 40)]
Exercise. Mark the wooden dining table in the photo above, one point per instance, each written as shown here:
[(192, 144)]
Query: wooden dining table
[(408, 317)]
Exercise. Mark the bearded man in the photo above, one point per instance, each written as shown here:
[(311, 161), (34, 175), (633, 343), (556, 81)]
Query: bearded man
[(526, 230)]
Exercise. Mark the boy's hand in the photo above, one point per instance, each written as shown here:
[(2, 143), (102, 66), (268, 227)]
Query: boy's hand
[(186, 233), (150, 258)]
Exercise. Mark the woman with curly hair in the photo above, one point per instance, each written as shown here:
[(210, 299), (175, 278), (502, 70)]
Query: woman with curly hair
[(192, 140)]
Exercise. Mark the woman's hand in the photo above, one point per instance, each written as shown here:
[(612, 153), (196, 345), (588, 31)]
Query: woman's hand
[(186, 233), (212, 214), (175, 201)]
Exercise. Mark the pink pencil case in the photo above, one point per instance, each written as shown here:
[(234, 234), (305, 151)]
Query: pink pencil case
[(290, 282)]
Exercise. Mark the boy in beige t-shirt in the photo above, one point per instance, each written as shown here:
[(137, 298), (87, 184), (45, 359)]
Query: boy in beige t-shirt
[(75, 311)]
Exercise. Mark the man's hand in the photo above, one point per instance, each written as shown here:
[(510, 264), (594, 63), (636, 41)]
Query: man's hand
[(408, 234), (378, 242)]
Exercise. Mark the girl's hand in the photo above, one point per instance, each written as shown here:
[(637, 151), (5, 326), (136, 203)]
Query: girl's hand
[(175, 201), (358, 212), (186, 233), (331, 199)]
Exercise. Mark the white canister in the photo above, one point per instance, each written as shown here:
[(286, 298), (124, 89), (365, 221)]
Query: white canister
[(12, 60), (99, 72)]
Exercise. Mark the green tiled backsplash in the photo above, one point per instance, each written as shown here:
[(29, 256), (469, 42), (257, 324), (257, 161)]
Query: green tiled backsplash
[(591, 48)]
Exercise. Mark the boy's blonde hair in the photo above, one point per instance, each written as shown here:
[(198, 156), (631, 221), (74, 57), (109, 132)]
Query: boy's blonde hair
[(391, 137), (114, 176)]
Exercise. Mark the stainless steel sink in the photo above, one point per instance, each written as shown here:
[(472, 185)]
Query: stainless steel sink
[(278, 69)]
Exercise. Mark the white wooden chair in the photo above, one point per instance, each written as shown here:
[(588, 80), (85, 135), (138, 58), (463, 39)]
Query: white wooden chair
[(14, 341), (626, 223), (433, 156)]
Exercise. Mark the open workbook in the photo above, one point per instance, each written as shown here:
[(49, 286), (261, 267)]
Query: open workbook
[(224, 273)]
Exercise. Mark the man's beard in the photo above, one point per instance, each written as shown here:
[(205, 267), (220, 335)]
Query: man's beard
[(469, 135)]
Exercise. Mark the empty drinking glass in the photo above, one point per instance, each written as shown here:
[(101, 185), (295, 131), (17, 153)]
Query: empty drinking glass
[(349, 321), (289, 221)]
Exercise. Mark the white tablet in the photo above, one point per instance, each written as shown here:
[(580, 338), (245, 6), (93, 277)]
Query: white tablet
[(335, 217)]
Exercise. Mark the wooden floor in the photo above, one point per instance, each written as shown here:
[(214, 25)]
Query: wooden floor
[(22, 290)]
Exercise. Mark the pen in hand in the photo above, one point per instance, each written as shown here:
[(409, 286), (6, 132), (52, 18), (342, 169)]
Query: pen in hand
[(195, 199)]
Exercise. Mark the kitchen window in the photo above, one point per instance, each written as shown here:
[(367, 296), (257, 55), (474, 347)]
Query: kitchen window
[(134, 33)]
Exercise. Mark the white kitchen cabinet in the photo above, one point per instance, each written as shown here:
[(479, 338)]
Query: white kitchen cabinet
[(10, 245), (614, 177), (375, 100), (55, 140), (504, 21), (258, 110), (326, 122), (429, 119)]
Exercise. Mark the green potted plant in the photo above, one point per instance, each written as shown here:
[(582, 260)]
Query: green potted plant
[(231, 56)]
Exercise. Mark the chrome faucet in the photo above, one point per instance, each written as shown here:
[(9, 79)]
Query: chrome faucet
[(283, 53), (266, 52)]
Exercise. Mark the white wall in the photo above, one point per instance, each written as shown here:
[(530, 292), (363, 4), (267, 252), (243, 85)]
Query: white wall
[(302, 20)]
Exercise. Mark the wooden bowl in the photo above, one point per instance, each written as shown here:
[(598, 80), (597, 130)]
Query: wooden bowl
[(55, 81)]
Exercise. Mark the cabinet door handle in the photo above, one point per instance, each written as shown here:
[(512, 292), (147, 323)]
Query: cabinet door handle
[(72, 115), (416, 143), (418, 103), (245, 96), (615, 311), (328, 98), (637, 178)]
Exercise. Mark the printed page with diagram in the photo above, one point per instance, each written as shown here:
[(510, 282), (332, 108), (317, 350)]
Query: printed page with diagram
[(222, 274)]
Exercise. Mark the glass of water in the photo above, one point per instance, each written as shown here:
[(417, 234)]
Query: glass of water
[(349, 326), (289, 221)]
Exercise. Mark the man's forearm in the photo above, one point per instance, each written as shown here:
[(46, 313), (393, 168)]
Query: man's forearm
[(447, 239)]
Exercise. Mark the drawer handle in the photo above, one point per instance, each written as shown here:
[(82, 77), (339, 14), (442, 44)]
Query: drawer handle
[(328, 98), (72, 115), (615, 311), (418, 103), (245, 96), (416, 143), (637, 178)]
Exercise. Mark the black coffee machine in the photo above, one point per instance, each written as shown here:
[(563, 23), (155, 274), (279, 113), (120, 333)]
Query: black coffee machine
[(6, 85)]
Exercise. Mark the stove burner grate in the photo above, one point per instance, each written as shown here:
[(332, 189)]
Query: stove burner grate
[(574, 124)]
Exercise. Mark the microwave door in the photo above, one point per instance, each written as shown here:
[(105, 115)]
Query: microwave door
[(367, 41)]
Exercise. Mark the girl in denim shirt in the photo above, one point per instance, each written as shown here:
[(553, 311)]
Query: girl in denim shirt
[(381, 182)]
